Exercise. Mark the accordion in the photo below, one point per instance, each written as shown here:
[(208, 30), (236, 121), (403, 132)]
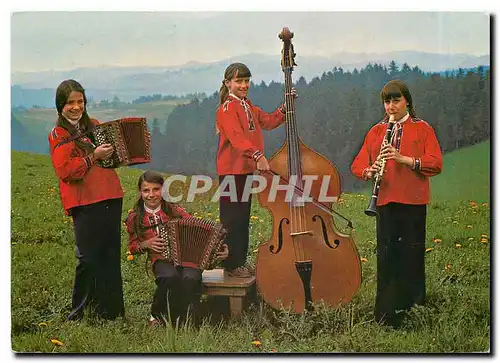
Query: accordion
[(130, 139), (192, 242)]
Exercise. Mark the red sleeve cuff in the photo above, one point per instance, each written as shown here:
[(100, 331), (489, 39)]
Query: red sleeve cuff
[(257, 155), (417, 164)]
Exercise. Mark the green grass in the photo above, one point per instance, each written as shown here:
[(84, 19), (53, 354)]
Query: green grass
[(455, 319), (465, 176)]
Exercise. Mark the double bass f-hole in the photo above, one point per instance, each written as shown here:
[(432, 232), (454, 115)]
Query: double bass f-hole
[(280, 236), (325, 232)]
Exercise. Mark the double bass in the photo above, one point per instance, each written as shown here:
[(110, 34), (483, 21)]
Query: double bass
[(307, 259)]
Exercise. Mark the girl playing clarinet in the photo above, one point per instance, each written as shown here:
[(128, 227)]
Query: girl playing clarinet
[(412, 156)]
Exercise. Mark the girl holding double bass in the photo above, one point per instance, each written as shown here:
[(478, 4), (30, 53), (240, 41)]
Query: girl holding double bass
[(240, 152)]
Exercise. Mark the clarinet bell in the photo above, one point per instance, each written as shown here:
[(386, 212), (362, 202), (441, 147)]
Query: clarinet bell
[(371, 211)]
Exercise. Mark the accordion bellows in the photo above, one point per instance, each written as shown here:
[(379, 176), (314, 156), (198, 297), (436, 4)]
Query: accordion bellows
[(130, 138), (192, 242)]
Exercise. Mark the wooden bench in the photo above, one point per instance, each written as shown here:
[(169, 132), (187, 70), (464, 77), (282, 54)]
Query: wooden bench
[(217, 282)]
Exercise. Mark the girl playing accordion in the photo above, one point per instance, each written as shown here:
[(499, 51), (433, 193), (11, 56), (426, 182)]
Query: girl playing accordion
[(178, 288), (93, 197)]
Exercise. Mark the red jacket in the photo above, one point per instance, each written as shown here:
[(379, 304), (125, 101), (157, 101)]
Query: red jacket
[(400, 183), (134, 240), (241, 143), (81, 181)]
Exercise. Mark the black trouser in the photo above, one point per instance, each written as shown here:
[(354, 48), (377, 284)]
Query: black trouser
[(178, 289), (235, 217), (400, 260), (98, 281)]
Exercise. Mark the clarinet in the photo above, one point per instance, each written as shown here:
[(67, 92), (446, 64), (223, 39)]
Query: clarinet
[(372, 206)]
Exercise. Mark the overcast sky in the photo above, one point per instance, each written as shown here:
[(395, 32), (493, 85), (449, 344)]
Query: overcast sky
[(67, 40)]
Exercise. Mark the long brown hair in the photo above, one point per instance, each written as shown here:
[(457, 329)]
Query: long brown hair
[(62, 94), (232, 71), (395, 89), (154, 177)]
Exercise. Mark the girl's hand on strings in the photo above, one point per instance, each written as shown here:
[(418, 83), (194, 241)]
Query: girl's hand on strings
[(293, 92)]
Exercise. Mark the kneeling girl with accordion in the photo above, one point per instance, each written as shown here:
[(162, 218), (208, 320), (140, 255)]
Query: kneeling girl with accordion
[(179, 245)]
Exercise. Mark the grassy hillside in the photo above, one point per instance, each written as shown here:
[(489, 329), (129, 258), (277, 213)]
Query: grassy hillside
[(455, 319), (466, 175)]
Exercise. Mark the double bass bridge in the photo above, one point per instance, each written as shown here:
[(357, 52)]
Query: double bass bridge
[(308, 233)]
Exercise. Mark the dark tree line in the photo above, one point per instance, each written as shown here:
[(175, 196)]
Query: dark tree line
[(334, 112)]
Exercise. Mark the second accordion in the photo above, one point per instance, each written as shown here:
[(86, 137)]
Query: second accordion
[(192, 242), (130, 139)]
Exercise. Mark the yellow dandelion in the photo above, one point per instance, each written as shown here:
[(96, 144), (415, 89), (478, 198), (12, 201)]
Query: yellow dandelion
[(209, 214), (130, 257), (447, 267), (437, 240), (468, 226), (429, 249), (363, 259), (56, 342), (256, 343), (484, 235), (217, 219), (42, 324), (458, 245), (484, 240)]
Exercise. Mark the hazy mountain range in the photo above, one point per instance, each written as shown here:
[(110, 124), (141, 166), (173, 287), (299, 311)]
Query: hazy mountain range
[(128, 83)]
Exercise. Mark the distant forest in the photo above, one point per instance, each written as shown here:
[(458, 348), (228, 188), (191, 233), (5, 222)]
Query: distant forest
[(334, 112)]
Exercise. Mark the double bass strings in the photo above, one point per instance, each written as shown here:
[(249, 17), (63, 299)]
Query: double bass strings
[(297, 212)]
